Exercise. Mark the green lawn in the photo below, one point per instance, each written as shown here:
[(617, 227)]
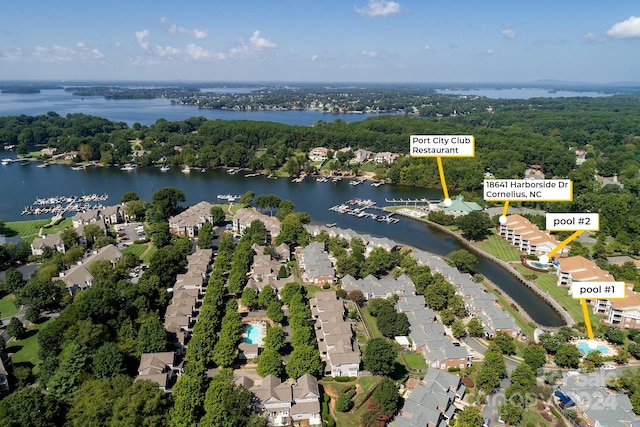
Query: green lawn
[(370, 323), (352, 419), (499, 247), (415, 361), (28, 230), (7, 306), (144, 251), (25, 351), (547, 282)]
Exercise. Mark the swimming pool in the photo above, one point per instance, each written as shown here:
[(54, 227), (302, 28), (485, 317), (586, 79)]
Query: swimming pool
[(254, 334), (585, 349), (537, 264)]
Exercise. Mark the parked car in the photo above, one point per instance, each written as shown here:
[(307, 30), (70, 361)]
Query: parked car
[(608, 367), (486, 422)]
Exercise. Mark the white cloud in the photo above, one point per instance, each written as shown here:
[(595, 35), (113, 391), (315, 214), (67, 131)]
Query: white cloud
[(370, 53), (11, 55), (509, 32), (490, 51), (427, 48), (260, 43), (142, 37), (314, 57), (589, 38), (625, 29), (56, 54), (197, 53), (177, 30), (379, 8), (164, 20)]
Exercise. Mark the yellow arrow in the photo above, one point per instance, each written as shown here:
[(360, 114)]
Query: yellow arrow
[(442, 179)]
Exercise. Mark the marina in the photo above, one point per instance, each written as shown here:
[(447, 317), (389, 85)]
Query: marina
[(358, 208), (60, 205)]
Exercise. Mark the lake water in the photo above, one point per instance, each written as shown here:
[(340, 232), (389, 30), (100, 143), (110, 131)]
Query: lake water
[(21, 185), (148, 111), (520, 93)]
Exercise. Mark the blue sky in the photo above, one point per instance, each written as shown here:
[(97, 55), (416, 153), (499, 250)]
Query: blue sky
[(321, 40)]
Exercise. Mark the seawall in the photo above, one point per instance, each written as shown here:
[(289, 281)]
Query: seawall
[(558, 308)]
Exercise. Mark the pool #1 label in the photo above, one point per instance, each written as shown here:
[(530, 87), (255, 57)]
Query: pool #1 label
[(598, 290), (540, 190)]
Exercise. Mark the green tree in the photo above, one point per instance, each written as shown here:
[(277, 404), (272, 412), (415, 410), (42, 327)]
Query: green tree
[(188, 396), (15, 328), (568, 356), (13, 280), (458, 329), (469, 417), (30, 407), (249, 298), (510, 413), (344, 403), (475, 225), (267, 296), (475, 327), (304, 359), (93, 404), (108, 361), (217, 214), (205, 236), (506, 342), (226, 404), (129, 196), (167, 200), (274, 312), (270, 363), (523, 376), (142, 404), (386, 394), (275, 339), (463, 260), (379, 357), (152, 337), (535, 356)]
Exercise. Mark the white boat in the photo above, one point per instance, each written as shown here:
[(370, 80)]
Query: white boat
[(187, 169), (165, 168), (43, 165), (7, 161), (77, 168), (128, 167), (322, 179)]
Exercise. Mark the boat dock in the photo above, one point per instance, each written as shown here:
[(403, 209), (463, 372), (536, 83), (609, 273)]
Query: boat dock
[(411, 201), (59, 205), (358, 208)]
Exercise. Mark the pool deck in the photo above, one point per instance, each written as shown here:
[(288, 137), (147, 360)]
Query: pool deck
[(599, 344)]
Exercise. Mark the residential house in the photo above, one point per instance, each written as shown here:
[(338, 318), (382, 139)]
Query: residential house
[(385, 157), (362, 155), (431, 402), (315, 266), (189, 222), (159, 368), (4, 375), (244, 217), (336, 340), (623, 313), (527, 237), (53, 241), (595, 402), (579, 269), (318, 154), (288, 402), (78, 277)]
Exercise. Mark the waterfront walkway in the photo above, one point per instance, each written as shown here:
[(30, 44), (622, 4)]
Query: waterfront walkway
[(562, 312)]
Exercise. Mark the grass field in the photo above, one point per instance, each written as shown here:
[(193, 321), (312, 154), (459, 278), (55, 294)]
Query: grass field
[(25, 351), (547, 283), (143, 251), (415, 361), (28, 230), (499, 247), (7, 306), (352, 419), (370, 323)]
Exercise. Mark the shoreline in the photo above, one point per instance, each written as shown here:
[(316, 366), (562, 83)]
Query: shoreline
[(559, 309)]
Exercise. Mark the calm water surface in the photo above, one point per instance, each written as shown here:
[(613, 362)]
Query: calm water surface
[(21, 185)]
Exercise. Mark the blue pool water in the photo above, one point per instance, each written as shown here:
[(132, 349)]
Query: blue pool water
[(585, 349), (254, 334), (539, 264)]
